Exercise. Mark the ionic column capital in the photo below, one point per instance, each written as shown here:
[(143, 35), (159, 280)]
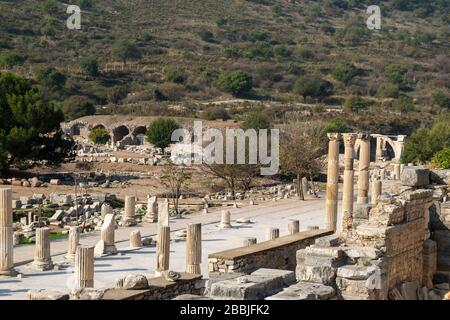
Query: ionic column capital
[(350, 139), (333, 136)]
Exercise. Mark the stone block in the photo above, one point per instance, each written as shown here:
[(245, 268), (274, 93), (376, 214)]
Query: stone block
[(409, 290), (287, 276), (304, 291), (362, 211), (316, 274), (415, 177), (327, 241), (354, 272)]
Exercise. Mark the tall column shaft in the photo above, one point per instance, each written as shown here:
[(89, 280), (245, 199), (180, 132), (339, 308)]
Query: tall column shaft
[(84, 267), (74, 239), (332, 180), (152, 210), (6, 234), (42, 257), (194, 248), (106, 209), (347, 196), (130, 211), (364, 163), (108, 234), (163, 249), (376, 190)]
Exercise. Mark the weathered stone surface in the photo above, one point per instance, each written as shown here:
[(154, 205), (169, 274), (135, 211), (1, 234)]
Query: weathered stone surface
[(217, 277), (135, 282), (317, 274), (327, 241), (287, 276), (369, 253), (362, 211), (47, 295), (354, 272), (415, 177), (191, 297), (352, 289), (304, 291), (86, 294), (409, 290)]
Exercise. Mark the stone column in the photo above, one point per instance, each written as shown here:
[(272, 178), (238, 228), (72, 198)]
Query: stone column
[(163, 214), (273, 233), (74, 239), (225, 221), (42, 259), (106, 209), (194, 248), (364, 164), (397, 171), (293, 226), (248, 242), (163, 249), (332, 180), (379, 150), (6, 234), (135, 239), (347, 196), (107, 243), (30, 217), (376, 190), (84, 267), (129, 217), (152, 210)]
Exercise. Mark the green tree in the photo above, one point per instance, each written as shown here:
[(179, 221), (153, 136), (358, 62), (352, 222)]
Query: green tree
[(176, 178), (313, 87), (337, 124), (235, 82), (29, 126), (159, 133), (345, 72), (404, 104), (355, 104), (11, 59), (77, 106), (51, 78), (417, 148), (99, 135), (89, 66), (442, 159), (50, 6), (256, 121), (441, 99), (395, 73), (124, 50)]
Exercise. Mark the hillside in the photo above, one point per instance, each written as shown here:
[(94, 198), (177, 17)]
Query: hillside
[(180, 48)]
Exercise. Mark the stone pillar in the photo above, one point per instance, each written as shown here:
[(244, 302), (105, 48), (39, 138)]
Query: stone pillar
[(376, 190), (364, 164), (163, 214), (84, 267), (6, 234), (273, 233), (347, 196), (293, 226), (106, 209), (332, 180), (379, 150), (42, 258), (152, 210), (397, 171), (129, 217), (194, 248), (225, 221), (248, 242), (30, 217), (163, 249), (135, 239), (107, 243), (74, 239)]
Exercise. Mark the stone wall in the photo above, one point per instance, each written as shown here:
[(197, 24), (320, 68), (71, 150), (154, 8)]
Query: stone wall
[(161, 289), (279, 253)]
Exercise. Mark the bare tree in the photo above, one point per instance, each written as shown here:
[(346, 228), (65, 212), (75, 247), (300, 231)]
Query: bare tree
[(301, 148), (176, 178)]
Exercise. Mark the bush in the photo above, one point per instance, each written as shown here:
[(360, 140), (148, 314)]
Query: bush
[(441, 99), (11, 59), (389, 90), (89, 66), (174, 75), (217, 112), (124, 50), (313, 87), (404, 104), (206, 35), (171, 91), (50, 77), (442, 159), (355, 104), (256, 121), (116, 94), (99, 135), (345, 72), (160, 132), (50, 6), (395, 73), (337, 124), (77, 107), (235, 82)]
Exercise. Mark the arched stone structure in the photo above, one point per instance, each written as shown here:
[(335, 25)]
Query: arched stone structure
[(382, 143), (118, 133), (138, 135)]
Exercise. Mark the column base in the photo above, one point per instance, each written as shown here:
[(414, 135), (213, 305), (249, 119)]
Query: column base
[(130, 222), (225, 226), (193, 269), (41, 265), (70, 257), (150, 219), (9, 273)]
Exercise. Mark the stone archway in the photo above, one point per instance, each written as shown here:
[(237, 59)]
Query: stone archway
[(118, 133), (138, 135)]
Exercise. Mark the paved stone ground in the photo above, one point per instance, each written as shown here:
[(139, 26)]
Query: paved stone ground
[(107, 269)]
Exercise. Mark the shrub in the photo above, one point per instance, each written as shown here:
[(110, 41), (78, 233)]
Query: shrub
[(99, 135), (441, 99), (389, 90), (345, 72), (395, 73), (77, 107), (11, 59), (442, 159), (404, 104), (174, 75), (172, 91), (355, 104), (89, 66), (313, 87), (235, 82), (216, 112), (51, 77), (206, 35), (160, 132)]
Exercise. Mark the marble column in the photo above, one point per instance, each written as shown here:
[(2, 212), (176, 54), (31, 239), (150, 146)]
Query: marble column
[(129, 217), (106, 209), (163, 249), (273, 233), (135, 239), (293, 226), (332, 181), (363, 173), (74, 239), (84, 267), (107, 243), (42, 258), (152, 210), (248, 242), (397, 171), (194, 248), (163, 214), (376, 190), (6, 234), (225, 221), (349, 175)]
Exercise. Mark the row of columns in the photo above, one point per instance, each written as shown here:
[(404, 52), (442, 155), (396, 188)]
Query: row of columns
[(348, 183)]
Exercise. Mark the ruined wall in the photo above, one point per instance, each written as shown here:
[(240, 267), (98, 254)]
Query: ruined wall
[(279, 253)]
